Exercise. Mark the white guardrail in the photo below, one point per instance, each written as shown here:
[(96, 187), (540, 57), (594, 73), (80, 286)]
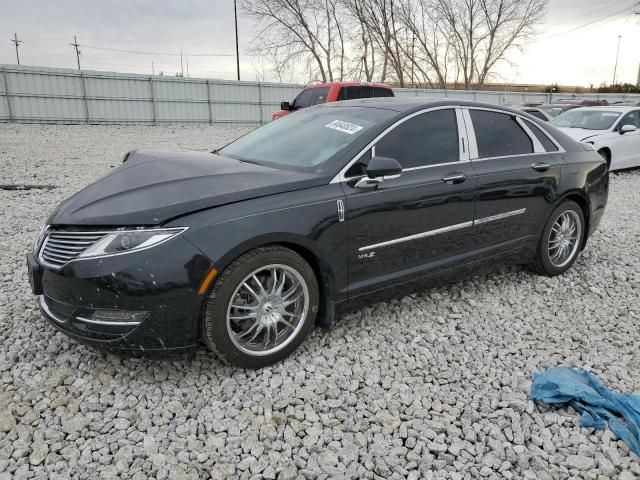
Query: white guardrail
[(55, 95)]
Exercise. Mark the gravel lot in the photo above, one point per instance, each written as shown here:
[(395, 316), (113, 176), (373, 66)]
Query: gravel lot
[(433, 385)]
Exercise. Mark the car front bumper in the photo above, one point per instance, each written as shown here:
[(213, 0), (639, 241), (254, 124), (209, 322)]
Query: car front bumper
[(142, 301)]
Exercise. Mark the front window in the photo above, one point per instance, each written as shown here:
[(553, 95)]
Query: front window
[(428, 139), (306, 139), (586, 119), (631, 118), (320, 95), (304, 99)]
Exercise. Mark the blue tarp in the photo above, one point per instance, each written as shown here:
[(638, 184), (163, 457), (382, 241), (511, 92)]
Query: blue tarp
[(599, 407)]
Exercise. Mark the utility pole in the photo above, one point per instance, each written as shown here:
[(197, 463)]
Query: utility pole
[(17, 42), (181, 67), (186, 59), (76, 45), (153, 70), (615, 68), (235, 14)]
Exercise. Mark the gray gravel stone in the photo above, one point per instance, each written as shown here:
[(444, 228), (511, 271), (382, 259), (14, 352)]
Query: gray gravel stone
[(433, 385), (581, 462)]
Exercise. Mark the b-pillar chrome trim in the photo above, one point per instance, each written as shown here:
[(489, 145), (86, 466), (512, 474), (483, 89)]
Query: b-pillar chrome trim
[(438, 231)]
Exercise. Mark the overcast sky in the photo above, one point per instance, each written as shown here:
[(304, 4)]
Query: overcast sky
[(568, 50)]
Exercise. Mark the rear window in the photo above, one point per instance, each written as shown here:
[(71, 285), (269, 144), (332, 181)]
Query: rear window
[(536, 113), (382, 92), (499, 135), (363, 91), (546, 142)]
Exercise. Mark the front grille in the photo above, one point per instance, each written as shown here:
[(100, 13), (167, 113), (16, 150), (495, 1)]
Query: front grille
[(61, 246)]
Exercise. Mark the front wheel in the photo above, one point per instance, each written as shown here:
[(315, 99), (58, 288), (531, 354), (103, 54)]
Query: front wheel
[(261, 307), (561, 239)]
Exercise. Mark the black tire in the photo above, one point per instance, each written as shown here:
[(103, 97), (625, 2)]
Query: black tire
[(214, 331), (542, 263), (606, 155)]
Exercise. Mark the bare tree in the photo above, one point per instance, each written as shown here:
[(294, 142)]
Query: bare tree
[(386, 30), (362, 42), (428, 55), (482, 32), (425, 42), (302, 30)]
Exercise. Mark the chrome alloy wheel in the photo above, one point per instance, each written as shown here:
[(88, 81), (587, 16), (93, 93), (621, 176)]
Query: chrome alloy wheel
[(267, 309), (564, 238)]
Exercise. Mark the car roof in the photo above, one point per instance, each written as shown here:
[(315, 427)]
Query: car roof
[(409, 105), (348, 84), (609, 108), (559, 105)]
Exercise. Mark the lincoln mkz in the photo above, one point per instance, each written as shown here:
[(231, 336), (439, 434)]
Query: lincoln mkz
[(324, 210)]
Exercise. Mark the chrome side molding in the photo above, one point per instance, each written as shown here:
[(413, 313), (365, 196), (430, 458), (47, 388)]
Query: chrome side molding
[(438, 231)]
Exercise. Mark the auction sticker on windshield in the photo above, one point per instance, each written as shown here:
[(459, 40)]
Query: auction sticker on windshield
[(345, 127)]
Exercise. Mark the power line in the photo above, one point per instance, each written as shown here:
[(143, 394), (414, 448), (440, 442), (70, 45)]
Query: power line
[(141, 52), (76, 45), (17, 43), (591, 23), (588, 14)]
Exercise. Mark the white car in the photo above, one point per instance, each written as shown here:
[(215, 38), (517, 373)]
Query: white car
[(613, 131)]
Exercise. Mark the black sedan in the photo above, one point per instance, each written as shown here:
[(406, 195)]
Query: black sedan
[(321, 211)]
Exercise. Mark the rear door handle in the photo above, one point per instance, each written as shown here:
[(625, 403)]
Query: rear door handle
[(540, 167), (455, 178)]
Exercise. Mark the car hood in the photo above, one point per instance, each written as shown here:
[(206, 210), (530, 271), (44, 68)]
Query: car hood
[(153, 186), (581, 134)]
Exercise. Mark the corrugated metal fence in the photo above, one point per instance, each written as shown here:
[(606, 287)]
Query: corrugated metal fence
[(55, 95)]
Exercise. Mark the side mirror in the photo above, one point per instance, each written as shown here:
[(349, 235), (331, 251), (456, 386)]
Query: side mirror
[(628, 129), (285, 106), (379, 170), (383, 167)]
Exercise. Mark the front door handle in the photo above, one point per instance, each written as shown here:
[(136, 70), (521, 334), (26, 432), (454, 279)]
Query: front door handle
[(455, 178), (540, 167)]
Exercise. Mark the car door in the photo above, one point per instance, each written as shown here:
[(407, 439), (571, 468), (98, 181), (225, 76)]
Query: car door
[(625, 150), (519, 169), (420, 220)]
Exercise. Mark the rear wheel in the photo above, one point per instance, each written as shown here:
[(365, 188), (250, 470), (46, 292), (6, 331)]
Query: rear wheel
[(561, 239), (261, 307)]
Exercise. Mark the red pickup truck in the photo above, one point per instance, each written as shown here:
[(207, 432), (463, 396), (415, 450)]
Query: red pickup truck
[(333, 92)]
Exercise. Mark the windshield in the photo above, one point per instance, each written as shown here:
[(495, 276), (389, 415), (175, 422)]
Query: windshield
[(586, 119), (307, 138)]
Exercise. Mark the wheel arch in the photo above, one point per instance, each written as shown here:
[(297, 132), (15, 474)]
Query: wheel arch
[(607, 150), (309, 251), (583, 202)]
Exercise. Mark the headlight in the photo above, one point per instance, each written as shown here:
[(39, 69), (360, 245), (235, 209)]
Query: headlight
[(125, 241), (38, 243)]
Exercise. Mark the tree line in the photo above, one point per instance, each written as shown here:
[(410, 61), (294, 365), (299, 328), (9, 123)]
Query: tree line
[(428, 43)]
